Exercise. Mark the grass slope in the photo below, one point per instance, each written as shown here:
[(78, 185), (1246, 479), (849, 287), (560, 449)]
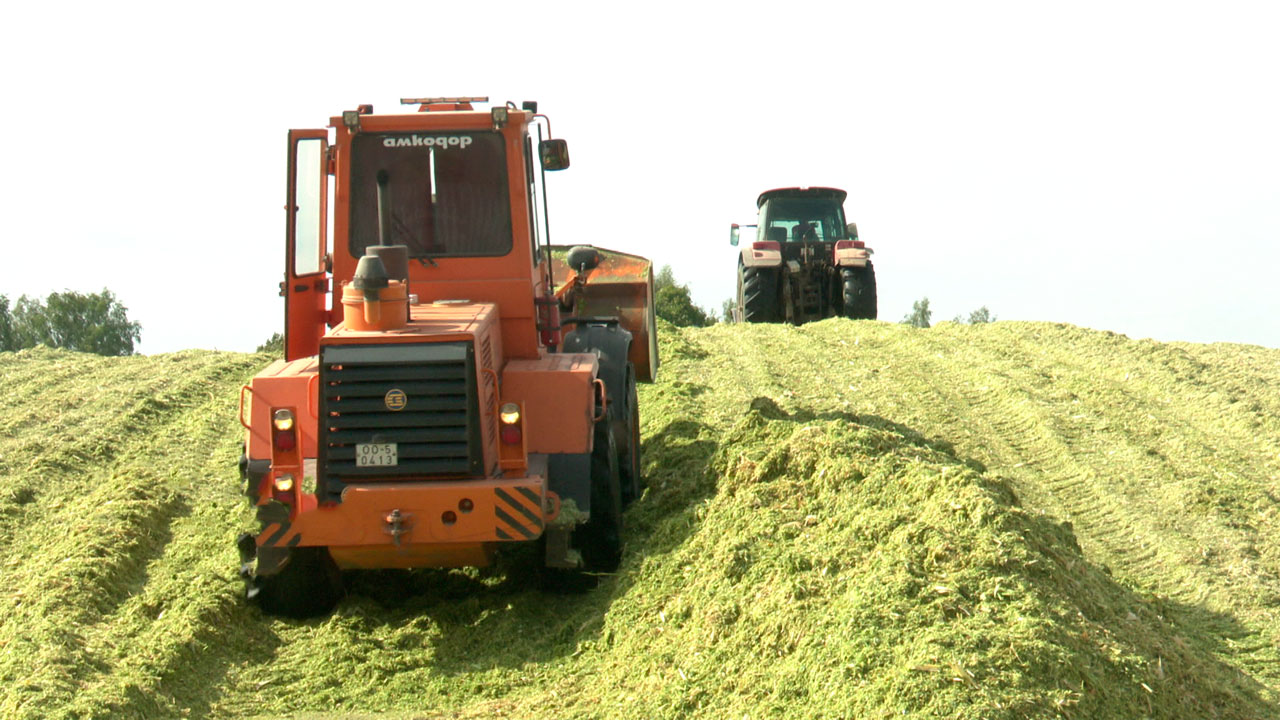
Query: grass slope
[(847, 519)]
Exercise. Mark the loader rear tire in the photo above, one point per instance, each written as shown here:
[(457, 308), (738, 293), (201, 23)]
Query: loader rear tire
[(860, 293), (309, 585), (758, 294), (629, 456), (600, 539)]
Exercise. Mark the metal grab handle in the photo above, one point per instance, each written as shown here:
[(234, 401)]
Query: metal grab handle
[(313, 396), (240, 410), (604, 401)]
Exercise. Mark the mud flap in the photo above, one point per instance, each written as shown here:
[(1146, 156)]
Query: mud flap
[(558, 552)]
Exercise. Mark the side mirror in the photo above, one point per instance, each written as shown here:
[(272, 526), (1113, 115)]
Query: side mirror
[(853, 230), (554, 154), (733, 234)]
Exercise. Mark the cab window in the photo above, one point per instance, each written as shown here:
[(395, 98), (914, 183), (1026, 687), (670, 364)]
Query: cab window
[(447, 193)]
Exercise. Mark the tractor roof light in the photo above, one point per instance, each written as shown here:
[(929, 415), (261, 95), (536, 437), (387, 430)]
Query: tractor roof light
[(499, 116), (351, 120), (282, 419), (509, 414)]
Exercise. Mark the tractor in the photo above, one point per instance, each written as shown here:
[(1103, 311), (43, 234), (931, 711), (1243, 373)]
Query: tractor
[(453, 385), (806, 263)]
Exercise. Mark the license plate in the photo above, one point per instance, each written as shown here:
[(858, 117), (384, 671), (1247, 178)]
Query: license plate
[(375, 454)]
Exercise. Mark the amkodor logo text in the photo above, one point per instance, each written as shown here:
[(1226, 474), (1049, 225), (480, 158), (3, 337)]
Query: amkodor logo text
[(440, 141)]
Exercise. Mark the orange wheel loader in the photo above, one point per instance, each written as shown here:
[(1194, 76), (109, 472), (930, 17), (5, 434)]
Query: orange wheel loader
[(452, 383)]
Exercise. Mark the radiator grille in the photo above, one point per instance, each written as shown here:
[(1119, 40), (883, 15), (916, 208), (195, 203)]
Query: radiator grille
[(435, 429)]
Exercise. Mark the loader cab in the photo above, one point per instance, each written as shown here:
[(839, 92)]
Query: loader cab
[(460, 187)]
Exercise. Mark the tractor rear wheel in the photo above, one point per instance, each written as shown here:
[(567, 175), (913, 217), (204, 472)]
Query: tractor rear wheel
[(757, 294), (309, 585), (860, 293)]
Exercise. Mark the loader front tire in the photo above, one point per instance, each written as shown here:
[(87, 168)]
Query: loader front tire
[(758, 294), (860, 293), (309, 585)]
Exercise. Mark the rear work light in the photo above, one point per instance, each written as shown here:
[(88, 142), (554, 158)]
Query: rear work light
[(284, 436), (509, 419), (509, 414), (766, 245)]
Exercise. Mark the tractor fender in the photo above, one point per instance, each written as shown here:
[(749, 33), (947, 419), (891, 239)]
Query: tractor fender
[(760, 258), (852, 257)]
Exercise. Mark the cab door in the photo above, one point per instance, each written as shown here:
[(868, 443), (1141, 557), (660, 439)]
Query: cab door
[(306, 280)]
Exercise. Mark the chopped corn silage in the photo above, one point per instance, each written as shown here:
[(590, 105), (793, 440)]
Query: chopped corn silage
[(846, 519)]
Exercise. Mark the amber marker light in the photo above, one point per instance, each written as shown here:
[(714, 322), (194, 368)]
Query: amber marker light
[(283, 419), (509, 414), (284, 483)]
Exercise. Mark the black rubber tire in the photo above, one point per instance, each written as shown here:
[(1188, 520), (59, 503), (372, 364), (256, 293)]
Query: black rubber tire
[(628, 428), (860, 293), (758, 294), (600, 539), (309, 585)]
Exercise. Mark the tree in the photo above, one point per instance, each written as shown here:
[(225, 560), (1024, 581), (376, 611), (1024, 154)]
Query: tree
[(726, 309), (672, 303), (6, 326), (977, 317), (273, 345), (665, 278), (919, 315), (94, 323), (981, 315)]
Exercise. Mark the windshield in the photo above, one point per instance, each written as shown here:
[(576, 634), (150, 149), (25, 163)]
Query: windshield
[(791, 219), (447, 193)]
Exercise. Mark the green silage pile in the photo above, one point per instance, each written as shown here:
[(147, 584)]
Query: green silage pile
[(848, 519)]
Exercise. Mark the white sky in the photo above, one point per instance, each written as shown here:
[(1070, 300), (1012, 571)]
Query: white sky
[(1114, 165)]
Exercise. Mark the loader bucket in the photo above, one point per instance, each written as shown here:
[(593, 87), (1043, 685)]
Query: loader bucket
[(621, 285)]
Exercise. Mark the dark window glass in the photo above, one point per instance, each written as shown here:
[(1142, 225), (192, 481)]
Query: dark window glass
[(447, 193), (788, 219)]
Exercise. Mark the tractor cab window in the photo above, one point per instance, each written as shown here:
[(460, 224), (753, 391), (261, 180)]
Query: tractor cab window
[(798, 219), (446, 193)]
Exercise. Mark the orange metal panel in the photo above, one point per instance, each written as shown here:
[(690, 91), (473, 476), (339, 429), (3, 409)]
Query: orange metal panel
[(558, 400), (283, 384), (427, 323), (429, 513)]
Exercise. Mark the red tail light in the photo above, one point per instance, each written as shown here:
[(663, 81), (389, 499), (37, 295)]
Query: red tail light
[(286, 440), (848, 244), (511, 434), (766, 245)]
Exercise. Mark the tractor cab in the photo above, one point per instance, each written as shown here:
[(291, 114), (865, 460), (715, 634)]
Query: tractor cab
[(802, 215)]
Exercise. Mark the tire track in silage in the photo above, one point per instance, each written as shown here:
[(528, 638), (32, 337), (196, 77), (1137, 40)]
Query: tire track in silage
[(1170, 423), (171, 415), (989, 400), (164, 647)]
